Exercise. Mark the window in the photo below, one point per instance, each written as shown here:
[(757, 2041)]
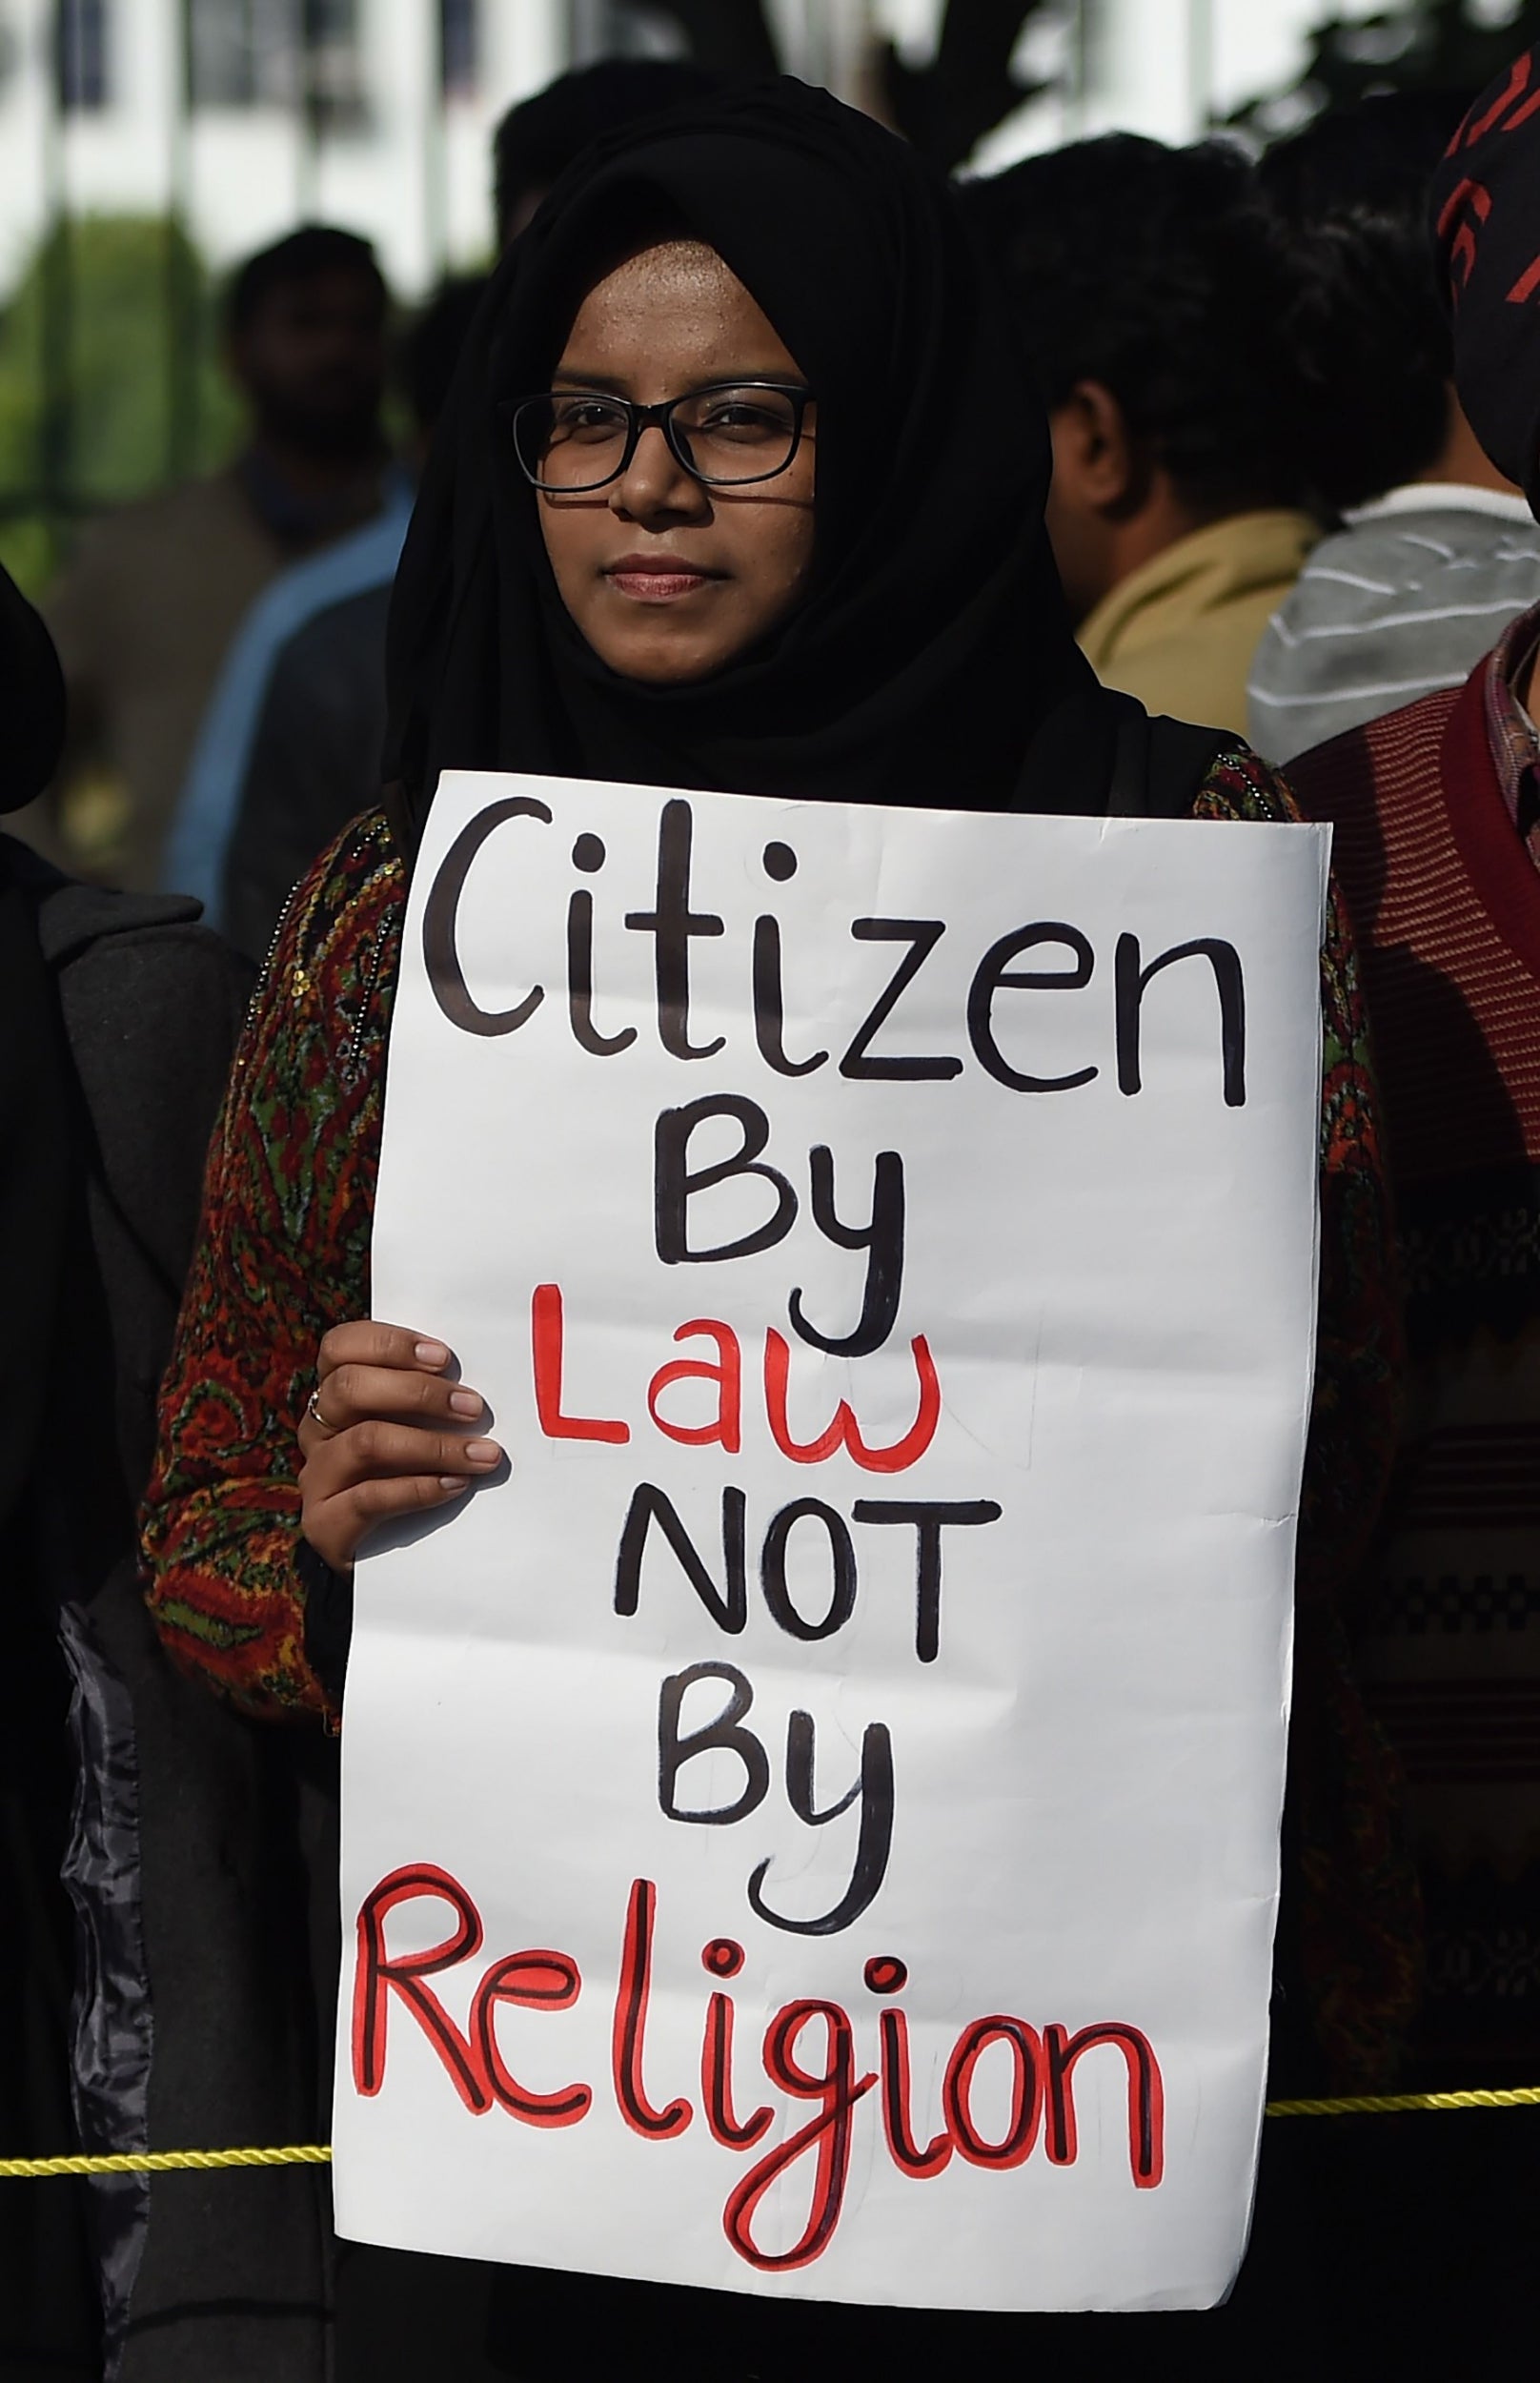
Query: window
[(277, 53), (80, 31), (333, 66), (459, 36), (242, 52)]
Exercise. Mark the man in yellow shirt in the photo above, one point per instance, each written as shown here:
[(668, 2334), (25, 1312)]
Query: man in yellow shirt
[(1160, 297)]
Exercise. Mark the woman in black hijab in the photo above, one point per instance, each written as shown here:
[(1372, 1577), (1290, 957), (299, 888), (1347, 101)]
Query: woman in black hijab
[(741, 486), (932, 627)]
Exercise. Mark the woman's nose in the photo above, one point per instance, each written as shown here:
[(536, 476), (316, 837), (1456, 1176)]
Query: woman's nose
[(655, 481)]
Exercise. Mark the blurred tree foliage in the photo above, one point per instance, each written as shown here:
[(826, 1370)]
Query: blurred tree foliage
[(969, 85), (110, 379), (1423, 44)]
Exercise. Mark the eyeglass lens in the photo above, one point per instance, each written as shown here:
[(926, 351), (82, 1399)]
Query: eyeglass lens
[(573, 441)]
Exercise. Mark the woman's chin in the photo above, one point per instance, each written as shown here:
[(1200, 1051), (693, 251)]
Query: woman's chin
[(664, 661)]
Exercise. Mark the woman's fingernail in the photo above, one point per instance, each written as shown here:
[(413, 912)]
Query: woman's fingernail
[(431, 1352), (467, 1402), (482, 1451), (452, 1483)]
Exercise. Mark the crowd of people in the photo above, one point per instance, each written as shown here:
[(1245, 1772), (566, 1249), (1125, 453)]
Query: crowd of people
[(1251, 447)]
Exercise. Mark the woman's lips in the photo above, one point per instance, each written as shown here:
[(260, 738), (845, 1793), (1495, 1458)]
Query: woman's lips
[(657, 580)]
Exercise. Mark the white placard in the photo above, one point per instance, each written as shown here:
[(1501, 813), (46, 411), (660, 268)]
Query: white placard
[(812, 1826)]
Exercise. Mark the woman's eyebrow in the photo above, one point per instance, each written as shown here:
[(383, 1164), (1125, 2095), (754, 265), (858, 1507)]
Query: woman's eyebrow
[(611, 384)]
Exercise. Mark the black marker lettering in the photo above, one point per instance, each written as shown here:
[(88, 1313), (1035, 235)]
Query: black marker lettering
[(769, 1004), (729, 1609), (928, 1517), (874, 1844), (842, 1562), (922, 935), (882, 1240), (674, 1751), (580, 982), (1131, 980), (440, 952), (992, 973), (674, 1185), (672, 923)]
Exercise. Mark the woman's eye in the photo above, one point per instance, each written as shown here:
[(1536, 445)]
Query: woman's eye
[(743, 418), (586, 417)]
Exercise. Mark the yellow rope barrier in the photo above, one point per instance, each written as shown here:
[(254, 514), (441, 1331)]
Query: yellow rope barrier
[(1374, 2104), (318, 2154), (158, 2162)]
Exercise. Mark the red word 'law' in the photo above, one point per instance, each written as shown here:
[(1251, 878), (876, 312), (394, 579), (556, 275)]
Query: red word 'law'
[(724, 1372)]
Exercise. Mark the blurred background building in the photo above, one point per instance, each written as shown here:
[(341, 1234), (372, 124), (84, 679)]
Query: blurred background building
[(146, 145)]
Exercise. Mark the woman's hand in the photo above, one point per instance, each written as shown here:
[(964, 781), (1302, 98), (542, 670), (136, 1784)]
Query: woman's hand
[(384, 1435)]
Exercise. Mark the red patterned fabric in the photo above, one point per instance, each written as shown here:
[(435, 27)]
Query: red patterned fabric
[(284, 1254), (1446, 895)]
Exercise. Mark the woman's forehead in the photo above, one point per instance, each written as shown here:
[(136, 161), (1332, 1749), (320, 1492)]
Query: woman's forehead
[(672, 298), (655, 276)]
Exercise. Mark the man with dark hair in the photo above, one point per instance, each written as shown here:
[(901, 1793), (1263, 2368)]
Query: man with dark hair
[(1158, 293), (1436, 808), (539, 138), (1438, 550), (305, 335), (308, 254), (145, 609)]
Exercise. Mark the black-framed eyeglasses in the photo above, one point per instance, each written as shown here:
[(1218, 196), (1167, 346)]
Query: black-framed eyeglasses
[(574, 440)]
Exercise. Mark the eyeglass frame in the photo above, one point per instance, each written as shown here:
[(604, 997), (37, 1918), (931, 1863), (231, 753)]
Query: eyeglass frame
[(660, 416)]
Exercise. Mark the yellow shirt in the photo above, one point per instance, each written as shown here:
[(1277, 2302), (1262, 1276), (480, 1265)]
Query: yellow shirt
[(1179, 632)]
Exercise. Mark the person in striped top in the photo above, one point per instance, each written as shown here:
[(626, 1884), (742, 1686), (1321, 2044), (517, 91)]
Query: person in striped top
[(1438, 550)]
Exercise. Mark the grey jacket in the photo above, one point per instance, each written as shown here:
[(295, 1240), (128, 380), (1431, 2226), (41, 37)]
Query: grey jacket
[(1407, 597)]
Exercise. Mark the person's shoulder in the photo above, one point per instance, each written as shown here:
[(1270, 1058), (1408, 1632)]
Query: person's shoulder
[(74, 917), (136, 972), (327, 985), (1361, 577), (363, 559), (362, 566), (351, 895), (1452, 560), (124, 549), (1355, 559), (1352, 770), (183, 507), (344, 624), (1421, 556), (1238, 785)]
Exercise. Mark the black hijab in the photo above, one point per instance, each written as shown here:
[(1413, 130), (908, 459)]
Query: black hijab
[(933, 645)]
